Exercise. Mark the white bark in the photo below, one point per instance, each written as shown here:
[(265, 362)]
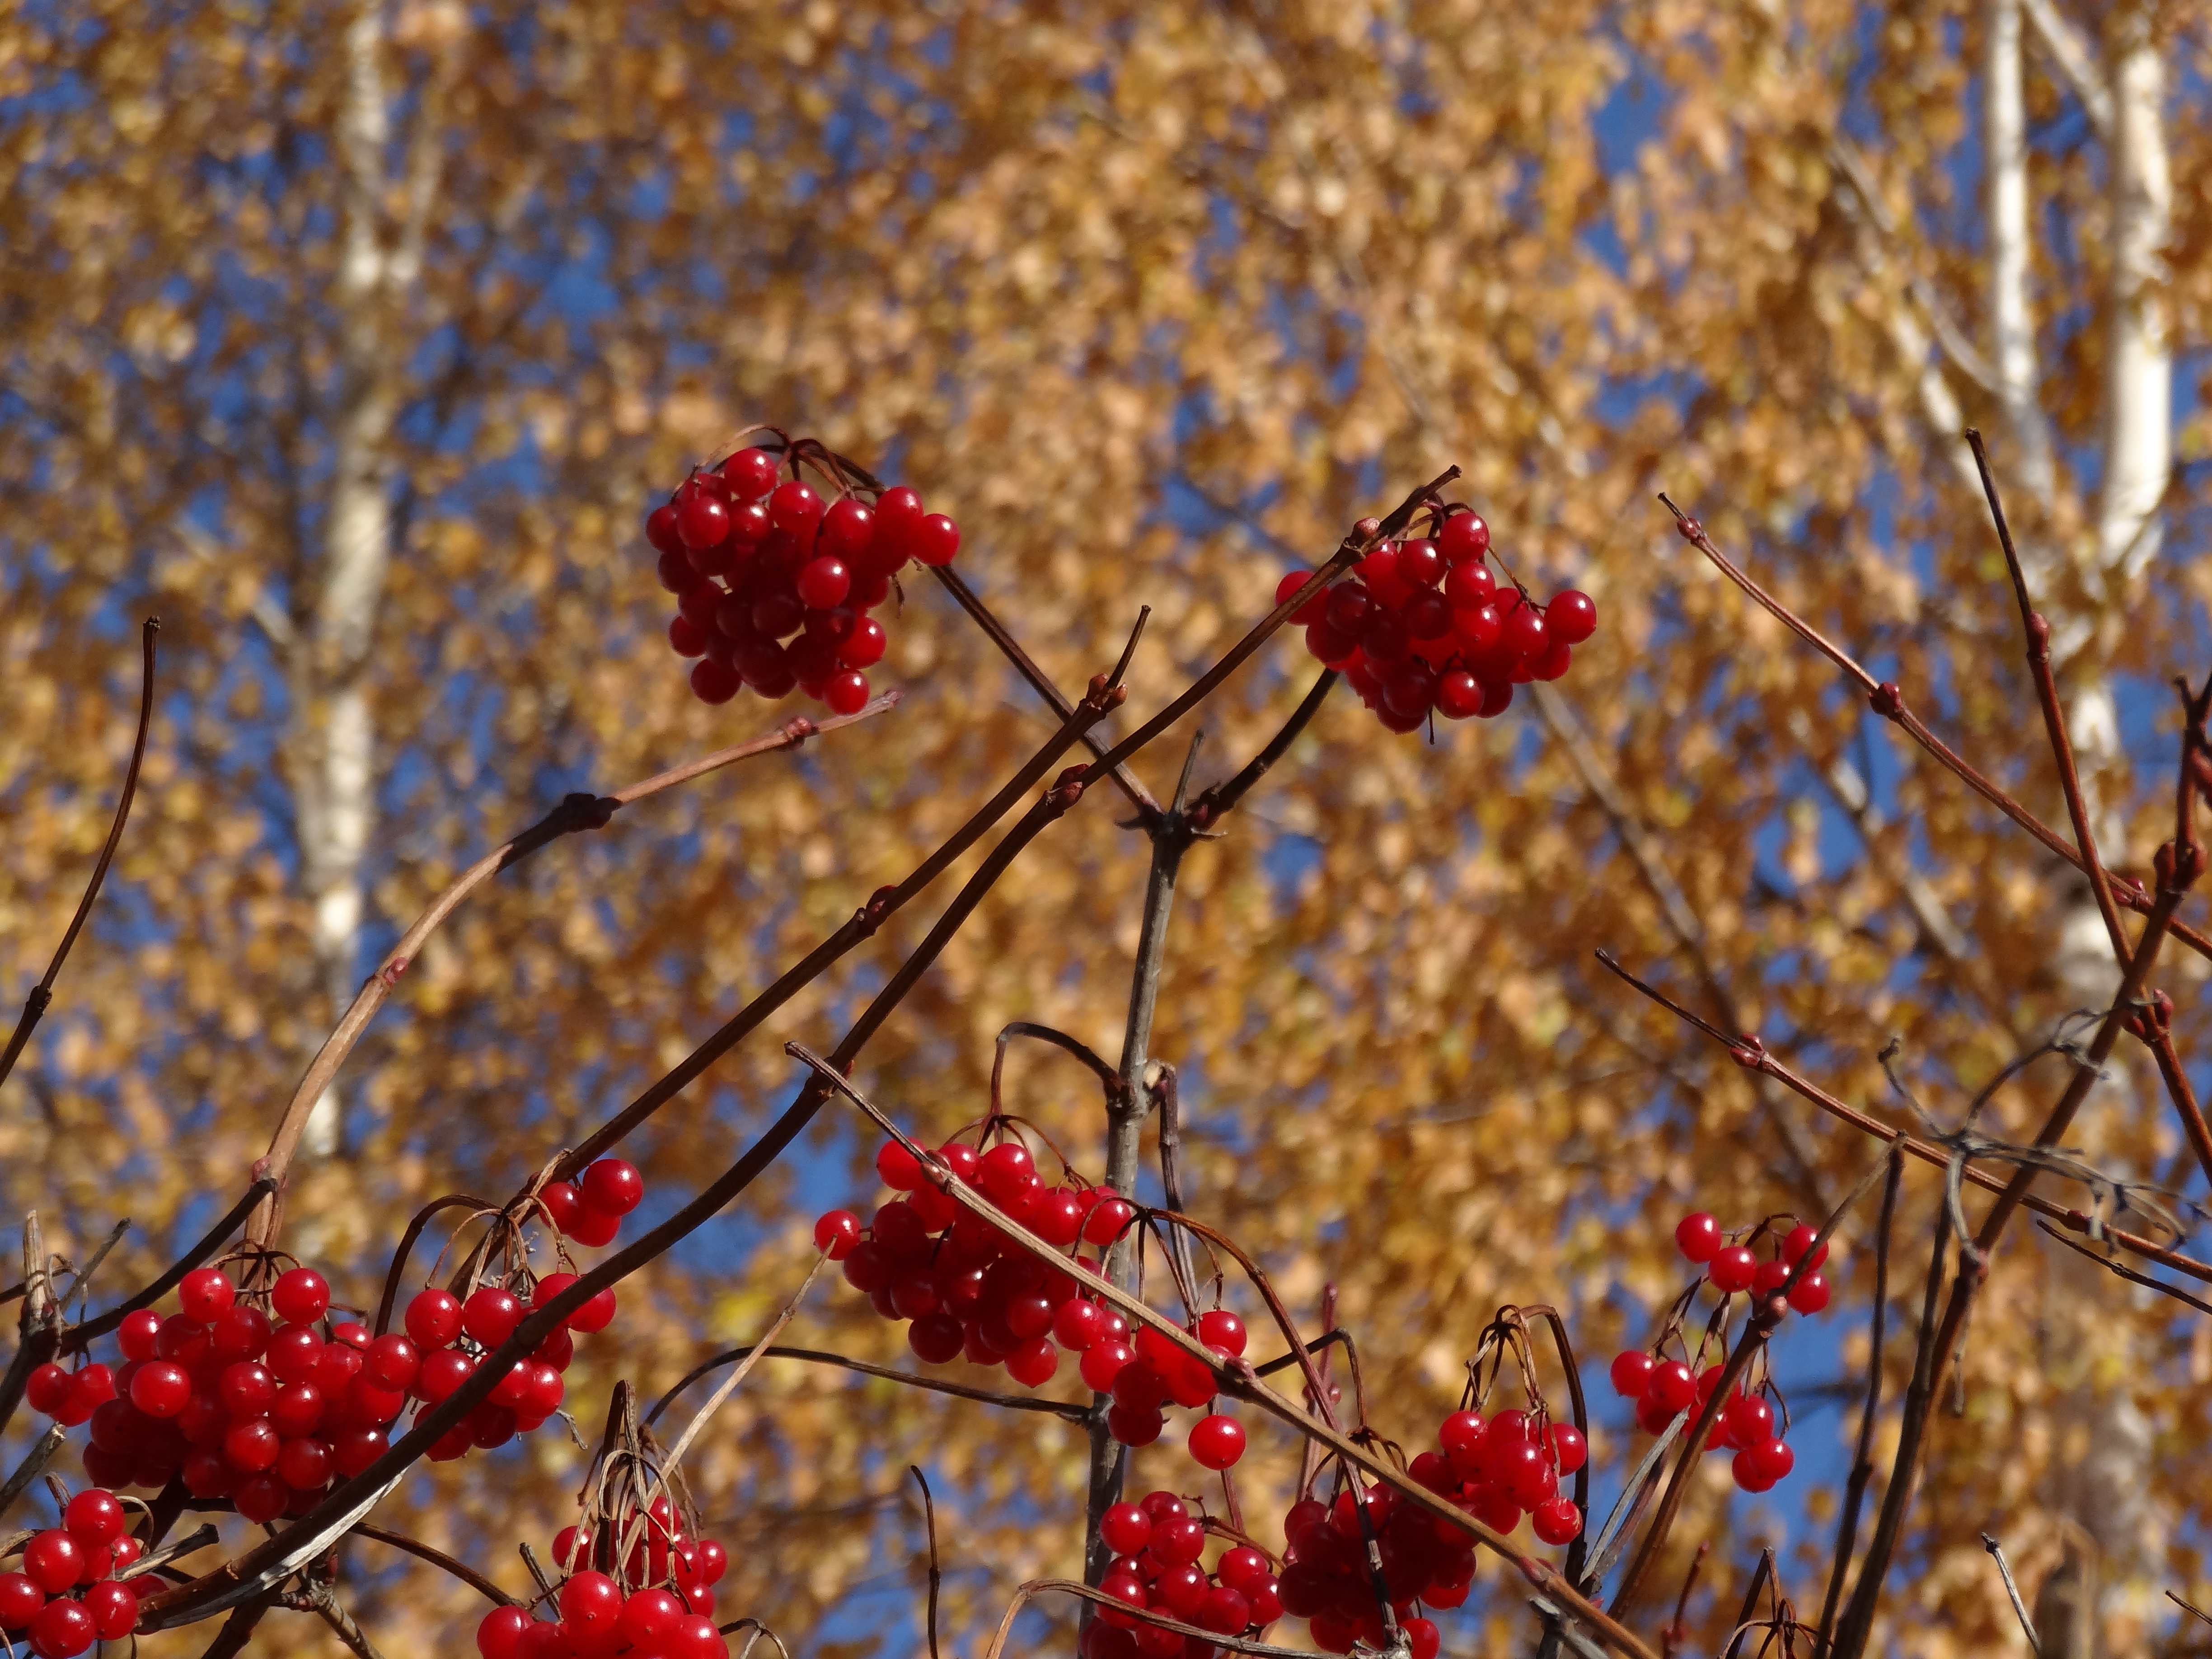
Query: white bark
[(334, 734), (2076, 64), (2012, 323), (2139, 353)]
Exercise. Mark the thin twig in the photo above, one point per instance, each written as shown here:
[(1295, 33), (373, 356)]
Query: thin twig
[(437, 1558), (2127, 1273), (42, 994), (936, 1574), (1996, 1549), (1067, 1410), (33, 1464)]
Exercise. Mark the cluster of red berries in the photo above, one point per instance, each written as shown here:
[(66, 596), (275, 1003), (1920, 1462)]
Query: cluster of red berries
[(754, 563), (63, 1595), (1423, 625), (1157, 1546), (660, 1606), (448, 1336), (970, 1290), (1329, 1581), (1663, 1389), (264, 1414), (1511, 1466)]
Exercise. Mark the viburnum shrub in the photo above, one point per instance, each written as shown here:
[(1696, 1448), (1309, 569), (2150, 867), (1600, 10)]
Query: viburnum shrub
[(254, 1391)]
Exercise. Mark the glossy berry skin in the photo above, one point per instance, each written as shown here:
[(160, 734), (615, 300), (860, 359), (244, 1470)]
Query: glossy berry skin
[(1572, 616), (1630, 1373), (1216, 1442), (794, 508), (1125, 1529), (113, 1607), (1315, 608), (935, 540), (1221, 1329), (750, 473), (1557, 1520), (500, 1635), (713, 683), (161, 1387), (434, 1319), (138, 1333), (836, 1233), (613, 1187), (898, 1168), (1697, 1235), (596, 1227), (52, 1560), (1732, 1269), (293, 1354), (825, 582), (392, 1362), (490, 1314), (846, 691), (1569, 1451), (1811, 1294), (94, 1516), (864, 647), (1107, 1219), (48, 1388), (300, 1296), (1671, 1386), (702, 520), (62, 1629), (1798, 1241), (205, 1294), (591, 1603), (561, 1204)]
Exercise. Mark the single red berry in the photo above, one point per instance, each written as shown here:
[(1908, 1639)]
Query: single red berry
[(94, 1518), (1033, 1363), (304, 1464), (1007, 1172), (246, 1389), (113, 1607), (294, 1353), (675, 573), (48, 1388), (1134, 1425), (687, 638), (711, 682), (591, 1603), (1420, 564), (1697, 1235), (500, 1636), (935, 540), (1557, 1520), (825, 582), (434, 1319), (1797, 1241), (1125, 1529), (1672, 1388), (298, 1409), (392, 1363), (1553, 664), (442, 1372), (1771, 1460), (1632, 1373), (613, 1185), (1464, 537), (836, 1233), (1220, 1329), (52, 1560), (1768, 1278), (702, 520), (1469, 586), (1732, 1269), (1572, 617), (1569, 1449), (1750, 1420), (1316, 605), (794, 508), (864, 647), (1811, 1294), (846, 691), (1107, 1219), (161, 1387), (750, 473), (1457, 694), (1216, 1442), (561, 1203), (204, 1294), (1428, 620), (62, 1629), (355, 1449), (19, 1599), (935, 1339), (1496, 699), (848, 530), (1526, 633), (1379, 570)]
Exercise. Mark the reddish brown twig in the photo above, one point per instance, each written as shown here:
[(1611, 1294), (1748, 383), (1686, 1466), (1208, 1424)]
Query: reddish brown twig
[(1888, 701), (445, 1562), (42, 994), (1746, 1050), (2127, 1273), (576, 814)]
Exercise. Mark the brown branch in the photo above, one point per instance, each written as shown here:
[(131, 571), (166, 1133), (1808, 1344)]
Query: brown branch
[(1746, 1050), (2127, 1273), (936, 1574), (437, 1558), (42, 994), (1888, 701), (1018, 1402), (576, 814), (1218, 800)]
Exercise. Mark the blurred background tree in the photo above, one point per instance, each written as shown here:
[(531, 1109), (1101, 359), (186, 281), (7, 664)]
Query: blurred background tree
[(354, 341)]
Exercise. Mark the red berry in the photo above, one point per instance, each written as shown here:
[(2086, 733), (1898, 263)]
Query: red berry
[(1632, 1374), (711, 683), (293, 1354), (1220, 1329), (1104, 1363), (94, 1518), (1572, 617), (1769, 1277), (1750, 1420), (356, 1449), (1557, 1520), (660, 530), (1469, 586), (500, 1636), (1379, 571), (613, 1185), (846, 692), (1672, 1388), (825, 582), (936, 1339), (205, 1294), (794, 508), (62, 1629), (1553, 664), (1799, 1240), (1033, 1363), (1107, 1219), (1569, 1449), (434, 1319), (591, 1603), (1420, 564), (304, 1465), (298, 1409), (1732, 1269), (1007, 1172), (1811, 1294), (1314, 609), (864, 647), (1496, 699), (1697, 1235), (675, 573), (1178, 1536), (1464, 537), (1526, 633), (1133, 1426), (702, 520), (750, 473), (442, 1372), (48, 1388), (935, 540), (52, 1560), (392, 1363), (113, 1607), (848, 530), (161, 1387), (247, 1389), (1125, 1529), (836, 1234), (561, 1204), (1216, 1442), (1771, 1460)]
